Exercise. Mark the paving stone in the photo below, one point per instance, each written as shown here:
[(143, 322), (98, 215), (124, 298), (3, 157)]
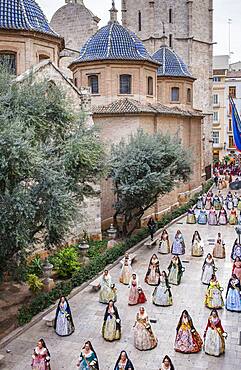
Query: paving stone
[(88, 316)]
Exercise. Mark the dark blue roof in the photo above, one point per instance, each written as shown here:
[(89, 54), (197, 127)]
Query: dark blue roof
[(171, 63), (114, 42), (23, 15)]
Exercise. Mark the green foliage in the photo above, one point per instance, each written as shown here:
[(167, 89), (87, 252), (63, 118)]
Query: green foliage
[(144, 168), (66, 262), (48, 159), (96, 247), (34, 283), (98, 263), (36, 266)]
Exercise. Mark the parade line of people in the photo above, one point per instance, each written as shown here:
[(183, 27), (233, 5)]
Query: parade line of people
[(187, 339)]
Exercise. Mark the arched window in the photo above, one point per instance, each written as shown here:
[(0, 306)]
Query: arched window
[(8, 59), (139, 20), (170, 16), (93, 82), (175, 94), (189, 95), (125, 84), (150, 86), (170, 40)]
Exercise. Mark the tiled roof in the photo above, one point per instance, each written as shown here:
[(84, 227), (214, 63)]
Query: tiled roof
[(114, 42), (171, 64), (23, 15), (131, 106)]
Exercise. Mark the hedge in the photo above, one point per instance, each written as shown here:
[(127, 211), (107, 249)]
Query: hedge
[(97, 264)]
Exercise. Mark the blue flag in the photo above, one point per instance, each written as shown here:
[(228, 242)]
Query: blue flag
[(236, 125)]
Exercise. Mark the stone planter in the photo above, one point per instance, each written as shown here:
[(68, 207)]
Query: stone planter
[(112, 232)]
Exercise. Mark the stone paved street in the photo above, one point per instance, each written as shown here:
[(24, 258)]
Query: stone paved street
[(88, 317)]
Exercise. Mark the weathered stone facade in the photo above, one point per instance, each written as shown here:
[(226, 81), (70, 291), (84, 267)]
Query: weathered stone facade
[(189, 27)]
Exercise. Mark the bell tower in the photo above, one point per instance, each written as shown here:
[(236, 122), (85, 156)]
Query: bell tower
[(189, 31)]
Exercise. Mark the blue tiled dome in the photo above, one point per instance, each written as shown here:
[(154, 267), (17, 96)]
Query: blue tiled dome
[(114, 42), (171, 64), (23, 15)]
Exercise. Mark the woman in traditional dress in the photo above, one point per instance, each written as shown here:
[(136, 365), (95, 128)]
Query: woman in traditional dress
[(216, 203), (239, 218), (204, 198), (151, 226), (236, 250), (134, 294), (233, 295), (199, 202), (162, 295), (214, 344), (237, 268), (213, 298), (187, 338), (197, 245), (167, 364), (123, 362), (41, 357), (222, 218), (178, 245), (88, 358), (219, 248), (208, 203), (63, 323), (144, 338), (202, 217), (233, 217), (212, 217), (235, 200), (208, 269), (164, 246), (107, 289), (239, 203), (111, 329), (191, 218), (175, 271), (126, 270), (153, 272), (229, 201)]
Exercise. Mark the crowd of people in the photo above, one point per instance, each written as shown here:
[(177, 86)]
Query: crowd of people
[(213, 209), (188, 340)]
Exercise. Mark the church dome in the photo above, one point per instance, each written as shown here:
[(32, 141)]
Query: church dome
[(114, 42), (171, 65), (24, 15), (75, 23)]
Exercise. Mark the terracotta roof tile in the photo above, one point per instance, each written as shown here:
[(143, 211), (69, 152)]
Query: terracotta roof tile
[(131, 106)]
